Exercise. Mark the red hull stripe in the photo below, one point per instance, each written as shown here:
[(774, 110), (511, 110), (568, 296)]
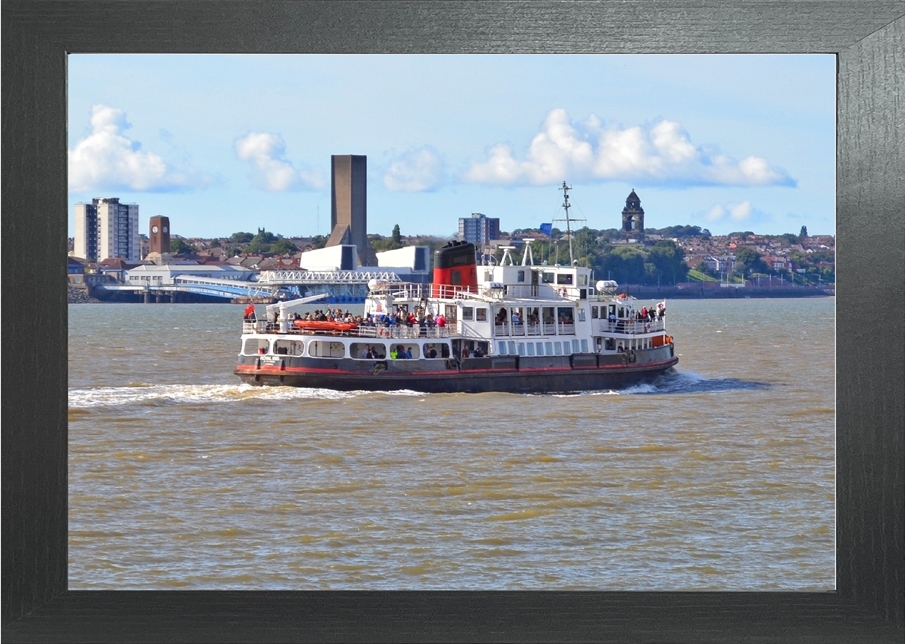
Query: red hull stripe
[(446, 372)]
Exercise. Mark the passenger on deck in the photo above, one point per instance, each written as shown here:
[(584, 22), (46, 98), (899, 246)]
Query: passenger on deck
[(464, 352), (515, 318), (431, 352), (408, 353)]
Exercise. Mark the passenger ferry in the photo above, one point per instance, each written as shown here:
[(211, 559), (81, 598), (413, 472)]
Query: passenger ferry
[(512, 327)]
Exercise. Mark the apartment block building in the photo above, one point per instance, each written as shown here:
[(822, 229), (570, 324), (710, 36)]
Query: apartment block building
[(105, 229), (479, 229)]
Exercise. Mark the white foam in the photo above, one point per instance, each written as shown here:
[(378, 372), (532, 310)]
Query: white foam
[(147, 394)]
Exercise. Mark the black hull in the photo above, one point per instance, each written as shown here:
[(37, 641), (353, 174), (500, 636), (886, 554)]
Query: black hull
[(465, 378)]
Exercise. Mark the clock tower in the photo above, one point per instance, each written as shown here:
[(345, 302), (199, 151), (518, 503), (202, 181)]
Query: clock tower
[(633, 217), (159, 237)]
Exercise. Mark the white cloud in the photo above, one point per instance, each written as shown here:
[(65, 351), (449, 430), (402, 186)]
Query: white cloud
[(271, 171), (740, 212), (737, 216), (417, 170), (661, 153), (716, 213), (108, 160)]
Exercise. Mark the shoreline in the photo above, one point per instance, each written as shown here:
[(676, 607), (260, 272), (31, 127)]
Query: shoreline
[(78, 296)]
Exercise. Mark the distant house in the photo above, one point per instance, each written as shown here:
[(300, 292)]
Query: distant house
[(76, 270), (245, 261), (164, 274), (115, 268)]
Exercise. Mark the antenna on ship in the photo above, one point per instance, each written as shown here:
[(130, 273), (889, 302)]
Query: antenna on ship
[(566, 206)]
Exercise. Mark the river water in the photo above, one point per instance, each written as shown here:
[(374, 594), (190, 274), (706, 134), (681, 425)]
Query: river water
[(719, 476)]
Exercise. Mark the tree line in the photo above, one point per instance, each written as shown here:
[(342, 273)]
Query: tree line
[(660, 263)]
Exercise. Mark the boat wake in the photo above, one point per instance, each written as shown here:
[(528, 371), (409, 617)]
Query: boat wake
[(149, 395), (676, 382)]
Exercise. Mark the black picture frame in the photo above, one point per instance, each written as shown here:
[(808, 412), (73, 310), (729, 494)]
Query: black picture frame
[(868, 38)]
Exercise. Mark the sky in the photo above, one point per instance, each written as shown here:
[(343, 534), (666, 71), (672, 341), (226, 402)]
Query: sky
[(227, 143)]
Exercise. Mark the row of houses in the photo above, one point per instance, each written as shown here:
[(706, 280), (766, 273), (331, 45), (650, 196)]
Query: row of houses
[(718, 253)]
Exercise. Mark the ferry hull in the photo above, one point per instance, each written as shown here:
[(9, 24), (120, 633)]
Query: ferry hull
[(509, 374)]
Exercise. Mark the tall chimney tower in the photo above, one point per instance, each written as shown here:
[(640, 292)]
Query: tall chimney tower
[(349, 205)]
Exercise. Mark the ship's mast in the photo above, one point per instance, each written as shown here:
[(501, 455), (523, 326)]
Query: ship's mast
[(568, 220)]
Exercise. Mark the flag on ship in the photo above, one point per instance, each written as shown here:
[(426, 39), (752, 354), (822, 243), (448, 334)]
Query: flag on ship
[(547, 229)]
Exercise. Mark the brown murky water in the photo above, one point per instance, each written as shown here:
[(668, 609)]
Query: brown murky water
[(718, 476)]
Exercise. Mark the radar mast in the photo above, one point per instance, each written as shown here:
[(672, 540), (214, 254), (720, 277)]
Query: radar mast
[(566, 205)]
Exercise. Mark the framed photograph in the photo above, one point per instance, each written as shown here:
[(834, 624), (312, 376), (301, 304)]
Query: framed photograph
[(38, 604)]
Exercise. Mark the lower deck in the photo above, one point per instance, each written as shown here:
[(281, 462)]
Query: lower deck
[(454, 373)]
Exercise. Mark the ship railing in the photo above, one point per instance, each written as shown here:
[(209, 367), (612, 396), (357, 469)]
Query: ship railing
[(521, 330), (400, 331), (449, 292), (363, 331), (259, 326), (632, 327)]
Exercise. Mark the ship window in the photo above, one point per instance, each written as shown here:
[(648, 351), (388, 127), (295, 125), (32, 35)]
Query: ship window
[(548, 278), (557, 348), (251, 346), (564, 278), (326, 349), (581, 315), (400, 349), (530, 348), (565, 314), (501, 348), (595, 313), (521, 348), (359, 350), (488, 276), (565, 348), (512, 348), (582, 280), (289, 347), (584, 345), (467, 313), (574, 346), (481, 315), (549, 348), (520, 276)]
